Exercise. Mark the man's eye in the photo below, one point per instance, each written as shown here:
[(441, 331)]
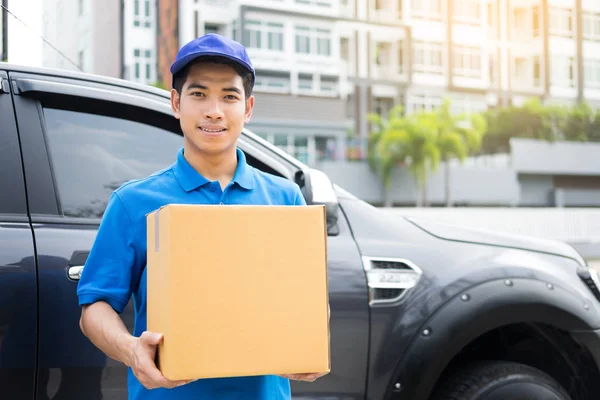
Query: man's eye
[(197, 94), (231, 97)]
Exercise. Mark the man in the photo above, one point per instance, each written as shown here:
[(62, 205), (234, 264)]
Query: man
[(212, 98)]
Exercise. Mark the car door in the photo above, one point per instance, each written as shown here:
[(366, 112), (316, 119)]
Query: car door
[(92, 139), (18, 293)]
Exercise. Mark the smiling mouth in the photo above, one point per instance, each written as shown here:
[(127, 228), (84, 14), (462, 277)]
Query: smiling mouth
[(219, 130)]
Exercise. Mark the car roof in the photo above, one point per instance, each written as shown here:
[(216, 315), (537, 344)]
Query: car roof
[(85, 76)]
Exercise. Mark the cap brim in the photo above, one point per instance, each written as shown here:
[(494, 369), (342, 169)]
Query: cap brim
[(182, 62)]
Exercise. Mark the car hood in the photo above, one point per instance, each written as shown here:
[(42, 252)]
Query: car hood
[(457, 233), (370, 223)]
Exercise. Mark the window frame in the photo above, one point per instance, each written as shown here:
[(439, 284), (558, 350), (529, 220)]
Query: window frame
[(426, 66), (41, 185), (13, 208), (558, 17)]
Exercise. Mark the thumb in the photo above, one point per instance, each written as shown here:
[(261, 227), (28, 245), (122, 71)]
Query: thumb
[(151, 338)]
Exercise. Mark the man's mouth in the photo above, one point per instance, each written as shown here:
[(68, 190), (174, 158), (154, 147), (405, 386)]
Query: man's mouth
[(212, 129)]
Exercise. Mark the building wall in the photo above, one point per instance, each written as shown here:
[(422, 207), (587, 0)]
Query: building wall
[(167, 40), (107, 37), (139, 40), (536, 190), (499, 180), (469, 186), (57, 15)]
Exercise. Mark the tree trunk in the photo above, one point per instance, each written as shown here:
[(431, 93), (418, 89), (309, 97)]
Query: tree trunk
[(419, 193), (447, 183), (387, 197), (425, 195)]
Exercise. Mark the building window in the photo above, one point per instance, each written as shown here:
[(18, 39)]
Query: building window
[(264, 35), (196, 24), (303, 40), (535, 19), (305, 83), (136, 59), (418, 103), (323, 37), (520, 23), (80, 60), (139, 18), (428, 57), (537, 71), (592, 73), (467, 61), (467, 11), (300, 150), (275, 36), (253, 34), (561, 22), (136, 12), (563, 71), (326, 148), (142, 65), (400, 57), (591, 26), (148, 54), (313, 40), (320, 3), (329, 86), (272, 83), (427, 9)]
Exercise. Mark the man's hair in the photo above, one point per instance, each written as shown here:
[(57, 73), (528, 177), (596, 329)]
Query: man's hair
[(248, 82)]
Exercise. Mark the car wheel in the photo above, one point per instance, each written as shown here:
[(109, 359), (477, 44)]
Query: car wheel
[(499, 380)]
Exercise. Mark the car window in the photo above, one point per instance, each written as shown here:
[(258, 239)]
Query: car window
[(94, 154)]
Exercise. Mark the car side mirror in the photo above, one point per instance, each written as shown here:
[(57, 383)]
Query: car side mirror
[(324, 193)]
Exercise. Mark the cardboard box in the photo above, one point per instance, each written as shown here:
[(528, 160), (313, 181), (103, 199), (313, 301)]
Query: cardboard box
[(238, 290)]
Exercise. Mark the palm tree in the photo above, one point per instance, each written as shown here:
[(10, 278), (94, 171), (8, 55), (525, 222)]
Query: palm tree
[(457, 136), (398, 141)]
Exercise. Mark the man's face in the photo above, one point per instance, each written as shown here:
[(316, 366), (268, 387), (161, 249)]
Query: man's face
[(212, 108)]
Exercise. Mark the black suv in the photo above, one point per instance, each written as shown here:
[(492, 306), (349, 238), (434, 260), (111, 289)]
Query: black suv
[(419, 310)]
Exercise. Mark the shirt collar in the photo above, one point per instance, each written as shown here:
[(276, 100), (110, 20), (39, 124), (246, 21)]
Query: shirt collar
[(190, 179)]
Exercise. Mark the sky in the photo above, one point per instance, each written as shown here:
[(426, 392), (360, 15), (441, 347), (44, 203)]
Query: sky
[(24, 44)]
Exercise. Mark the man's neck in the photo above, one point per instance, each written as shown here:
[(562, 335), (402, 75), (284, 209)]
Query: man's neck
[(214, 167)]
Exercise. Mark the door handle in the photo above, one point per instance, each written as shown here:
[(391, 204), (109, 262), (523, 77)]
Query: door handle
[(76, 263), (75, 272)]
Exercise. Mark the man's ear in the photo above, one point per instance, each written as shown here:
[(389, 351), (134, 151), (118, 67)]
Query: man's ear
[(175, 103), (249, 108)]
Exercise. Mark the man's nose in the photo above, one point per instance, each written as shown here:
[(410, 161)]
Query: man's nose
[(213, 110)]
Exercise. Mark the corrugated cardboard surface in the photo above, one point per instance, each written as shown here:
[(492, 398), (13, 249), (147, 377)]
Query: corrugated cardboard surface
[(238, 290)]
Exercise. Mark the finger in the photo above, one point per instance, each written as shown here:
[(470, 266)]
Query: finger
[(148, 368), (150, 339)]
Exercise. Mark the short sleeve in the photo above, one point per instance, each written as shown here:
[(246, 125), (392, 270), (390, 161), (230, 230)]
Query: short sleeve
[(113, 262)]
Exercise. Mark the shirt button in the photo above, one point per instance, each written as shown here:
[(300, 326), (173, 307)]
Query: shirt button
[(212, 188)]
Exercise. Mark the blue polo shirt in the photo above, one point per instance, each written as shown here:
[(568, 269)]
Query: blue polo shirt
[(115, 268)]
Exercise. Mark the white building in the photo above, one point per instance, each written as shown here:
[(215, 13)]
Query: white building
[(87, 33), (111, 37), (139, 40), (322, 65)]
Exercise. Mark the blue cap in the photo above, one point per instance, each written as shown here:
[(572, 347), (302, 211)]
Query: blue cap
[(212, 44)]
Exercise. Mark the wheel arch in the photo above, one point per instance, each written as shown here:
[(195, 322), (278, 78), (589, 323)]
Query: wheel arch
[(479, 310)]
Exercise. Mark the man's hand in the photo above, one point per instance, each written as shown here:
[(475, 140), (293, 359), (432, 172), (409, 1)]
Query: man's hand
[(143, 366), (304, 377)]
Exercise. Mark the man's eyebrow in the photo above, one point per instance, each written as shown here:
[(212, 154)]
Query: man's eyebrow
[(232, 89), (225, 89), (196, 86)]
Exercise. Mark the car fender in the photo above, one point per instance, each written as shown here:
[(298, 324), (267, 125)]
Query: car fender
[(480, 309)]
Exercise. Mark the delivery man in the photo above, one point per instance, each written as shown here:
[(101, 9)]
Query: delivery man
[(212, 97)]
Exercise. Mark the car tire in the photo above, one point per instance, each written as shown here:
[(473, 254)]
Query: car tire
[(500, 380)]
